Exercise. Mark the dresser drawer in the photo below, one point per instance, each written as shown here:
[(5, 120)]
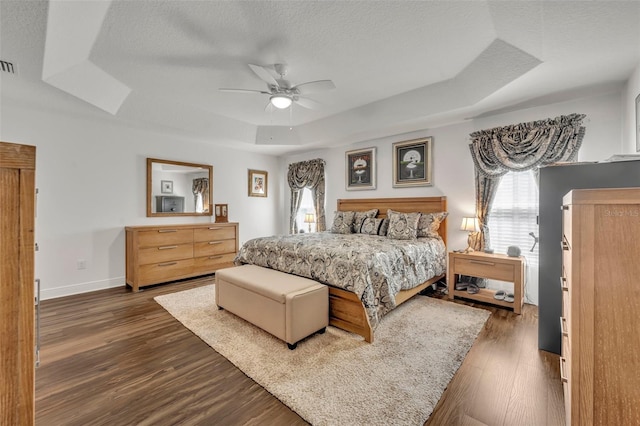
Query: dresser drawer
[(165, 271), (208, 264), (488, 268), (209, 248), (165, 253), (213, 233), (164, 237)]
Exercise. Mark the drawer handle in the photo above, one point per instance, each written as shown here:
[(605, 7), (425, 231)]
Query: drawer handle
[(215, 242), (482, 262), (563, 326), (563, 376), (167, 263), (214, 228), (215, 257), (162, 231), (563, 284), (167, 247)]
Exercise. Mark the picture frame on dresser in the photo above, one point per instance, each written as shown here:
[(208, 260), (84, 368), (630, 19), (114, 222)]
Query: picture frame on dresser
[(412, 163), (360, 169), (221, 213)]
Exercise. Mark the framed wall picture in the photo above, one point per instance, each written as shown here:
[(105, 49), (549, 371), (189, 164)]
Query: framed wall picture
[(412, 162), (638, 123), (361, 169), (258, 183), (166, 186)]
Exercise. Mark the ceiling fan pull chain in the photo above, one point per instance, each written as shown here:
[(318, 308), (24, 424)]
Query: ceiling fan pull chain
[(291, 117)]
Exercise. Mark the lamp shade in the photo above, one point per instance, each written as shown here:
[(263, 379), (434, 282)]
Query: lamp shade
[(470, 224), (281, 101), (308, 218)]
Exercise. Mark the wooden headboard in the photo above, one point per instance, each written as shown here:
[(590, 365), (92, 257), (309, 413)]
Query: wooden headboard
[(404, 205)]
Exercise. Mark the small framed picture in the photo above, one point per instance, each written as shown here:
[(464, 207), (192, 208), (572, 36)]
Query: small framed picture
[(222, 215), (258, 183), (166, 186), (360, 169), (412, 163)]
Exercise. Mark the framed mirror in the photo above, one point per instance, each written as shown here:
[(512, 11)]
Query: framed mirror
[(175, 188)]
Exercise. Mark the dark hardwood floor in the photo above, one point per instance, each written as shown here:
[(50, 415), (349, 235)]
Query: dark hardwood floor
[(114, 357)]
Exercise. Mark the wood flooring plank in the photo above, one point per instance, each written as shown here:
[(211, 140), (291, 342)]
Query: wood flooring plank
[(114, 357)]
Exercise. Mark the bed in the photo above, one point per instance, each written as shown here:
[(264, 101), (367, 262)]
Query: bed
[(367, 275)]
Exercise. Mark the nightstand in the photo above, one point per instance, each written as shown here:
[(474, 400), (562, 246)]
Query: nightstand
[(493, 266)]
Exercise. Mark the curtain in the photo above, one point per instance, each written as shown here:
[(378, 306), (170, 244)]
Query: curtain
[(518, 148), (200, 189), (307, 174)]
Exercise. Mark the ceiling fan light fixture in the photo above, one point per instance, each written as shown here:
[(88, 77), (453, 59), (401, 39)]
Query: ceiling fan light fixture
[(281, 101)]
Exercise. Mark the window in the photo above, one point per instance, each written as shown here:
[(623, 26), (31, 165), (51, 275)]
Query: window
[(305, 207), (513, 217)]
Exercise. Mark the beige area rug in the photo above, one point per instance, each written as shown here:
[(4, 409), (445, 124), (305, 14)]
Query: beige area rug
[(336, 378)]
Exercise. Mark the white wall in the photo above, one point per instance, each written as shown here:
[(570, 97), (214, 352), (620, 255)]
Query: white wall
[(453, 168), (629, 118), (91, 177)]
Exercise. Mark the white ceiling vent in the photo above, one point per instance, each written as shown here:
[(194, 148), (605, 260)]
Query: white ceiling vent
[(6, 66)]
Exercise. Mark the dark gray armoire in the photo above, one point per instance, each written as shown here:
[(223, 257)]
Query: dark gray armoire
[(555, 182)]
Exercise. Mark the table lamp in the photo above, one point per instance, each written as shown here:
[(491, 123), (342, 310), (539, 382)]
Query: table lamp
[(308, 218), (469, 224)]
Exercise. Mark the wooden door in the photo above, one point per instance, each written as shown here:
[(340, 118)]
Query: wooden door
[(17, 343)]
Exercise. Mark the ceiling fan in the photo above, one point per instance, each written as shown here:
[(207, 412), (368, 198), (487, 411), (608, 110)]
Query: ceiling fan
[(281, 92)]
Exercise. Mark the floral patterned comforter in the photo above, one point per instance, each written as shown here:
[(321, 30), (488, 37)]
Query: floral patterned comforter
[(373, 267)]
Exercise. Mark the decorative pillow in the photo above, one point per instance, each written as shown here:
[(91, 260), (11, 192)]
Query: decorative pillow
[(384, 227), (343, 222), (360, 217), (402, 226), (371, 226), (429, 224)]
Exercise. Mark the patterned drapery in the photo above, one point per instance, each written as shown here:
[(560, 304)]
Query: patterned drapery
[(307, 174), (518, 148), (200, 189)]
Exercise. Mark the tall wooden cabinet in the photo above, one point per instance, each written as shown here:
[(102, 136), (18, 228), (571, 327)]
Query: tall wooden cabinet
[(600, 363), (17, 337)]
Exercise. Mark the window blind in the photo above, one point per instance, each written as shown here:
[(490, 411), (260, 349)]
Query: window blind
[(514, 215)]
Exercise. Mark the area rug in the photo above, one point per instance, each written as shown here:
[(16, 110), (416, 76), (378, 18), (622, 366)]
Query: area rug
[(336, 378)]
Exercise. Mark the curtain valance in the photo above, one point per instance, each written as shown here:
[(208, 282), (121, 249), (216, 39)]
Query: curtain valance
[(523, 146)]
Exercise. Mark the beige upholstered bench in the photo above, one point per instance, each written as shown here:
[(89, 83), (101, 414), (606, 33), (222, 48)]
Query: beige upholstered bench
[(288, 306)]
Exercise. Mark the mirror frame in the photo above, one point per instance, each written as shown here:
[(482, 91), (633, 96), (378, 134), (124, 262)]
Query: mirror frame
[(150, 161)]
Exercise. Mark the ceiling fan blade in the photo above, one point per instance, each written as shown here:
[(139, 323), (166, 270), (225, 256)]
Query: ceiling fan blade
[(307, 103), (264, 75), (315, 86), (244, 91)]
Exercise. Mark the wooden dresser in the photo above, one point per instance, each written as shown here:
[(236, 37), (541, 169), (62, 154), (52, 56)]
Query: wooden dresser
[(17, 295), (600, 363), (157, 254)]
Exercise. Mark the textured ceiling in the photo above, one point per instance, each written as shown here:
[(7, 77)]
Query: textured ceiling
[(397, 66)]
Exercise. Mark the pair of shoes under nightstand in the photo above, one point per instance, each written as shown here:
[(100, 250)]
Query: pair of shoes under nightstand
[(503, 295)]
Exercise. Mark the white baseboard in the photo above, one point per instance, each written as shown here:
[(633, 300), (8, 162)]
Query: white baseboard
[(53, 293)]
